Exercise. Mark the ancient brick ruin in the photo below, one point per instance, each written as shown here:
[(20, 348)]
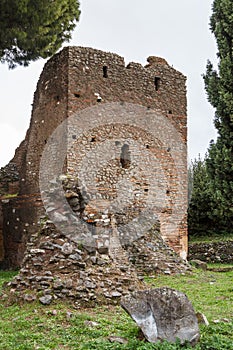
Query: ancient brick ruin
[(72, 81), (57, 267)]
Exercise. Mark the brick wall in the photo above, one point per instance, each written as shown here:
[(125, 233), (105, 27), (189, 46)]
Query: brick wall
[(98, 77), (78, 78)]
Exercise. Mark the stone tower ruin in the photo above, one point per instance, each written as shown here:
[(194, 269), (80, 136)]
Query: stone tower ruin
[(72, 81)]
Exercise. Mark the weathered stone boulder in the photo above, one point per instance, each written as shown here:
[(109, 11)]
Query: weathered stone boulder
[(163, 314)]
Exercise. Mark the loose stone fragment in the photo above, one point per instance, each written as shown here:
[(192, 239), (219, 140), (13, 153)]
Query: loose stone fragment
[(163, 314), (119, 340), (202, 319), (46, 300)]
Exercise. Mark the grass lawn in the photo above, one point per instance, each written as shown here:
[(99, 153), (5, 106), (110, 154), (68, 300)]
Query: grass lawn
[(60, 326), (211, 238)]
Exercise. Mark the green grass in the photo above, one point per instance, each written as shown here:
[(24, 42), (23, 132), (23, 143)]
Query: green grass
[(208, 238), (33, 326), (210, 292), (9, 195)]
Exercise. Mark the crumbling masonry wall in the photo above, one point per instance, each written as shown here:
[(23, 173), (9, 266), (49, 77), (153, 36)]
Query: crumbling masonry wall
[(72, 80)]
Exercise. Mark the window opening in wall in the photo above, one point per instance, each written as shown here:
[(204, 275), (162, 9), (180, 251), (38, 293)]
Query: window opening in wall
[(146, 190), (93, 139), (157, 83), (76, 95), (169, 112), (147, 146), (125, 156), (105, 71)]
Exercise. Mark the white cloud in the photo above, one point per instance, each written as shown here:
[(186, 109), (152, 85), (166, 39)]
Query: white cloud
[(9, 136)]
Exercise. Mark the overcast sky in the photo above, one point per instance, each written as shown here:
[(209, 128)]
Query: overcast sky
[(175, 30)]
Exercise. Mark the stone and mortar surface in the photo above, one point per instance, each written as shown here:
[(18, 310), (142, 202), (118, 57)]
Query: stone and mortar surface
[(72, 80), (56, 266), (212, 252)]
